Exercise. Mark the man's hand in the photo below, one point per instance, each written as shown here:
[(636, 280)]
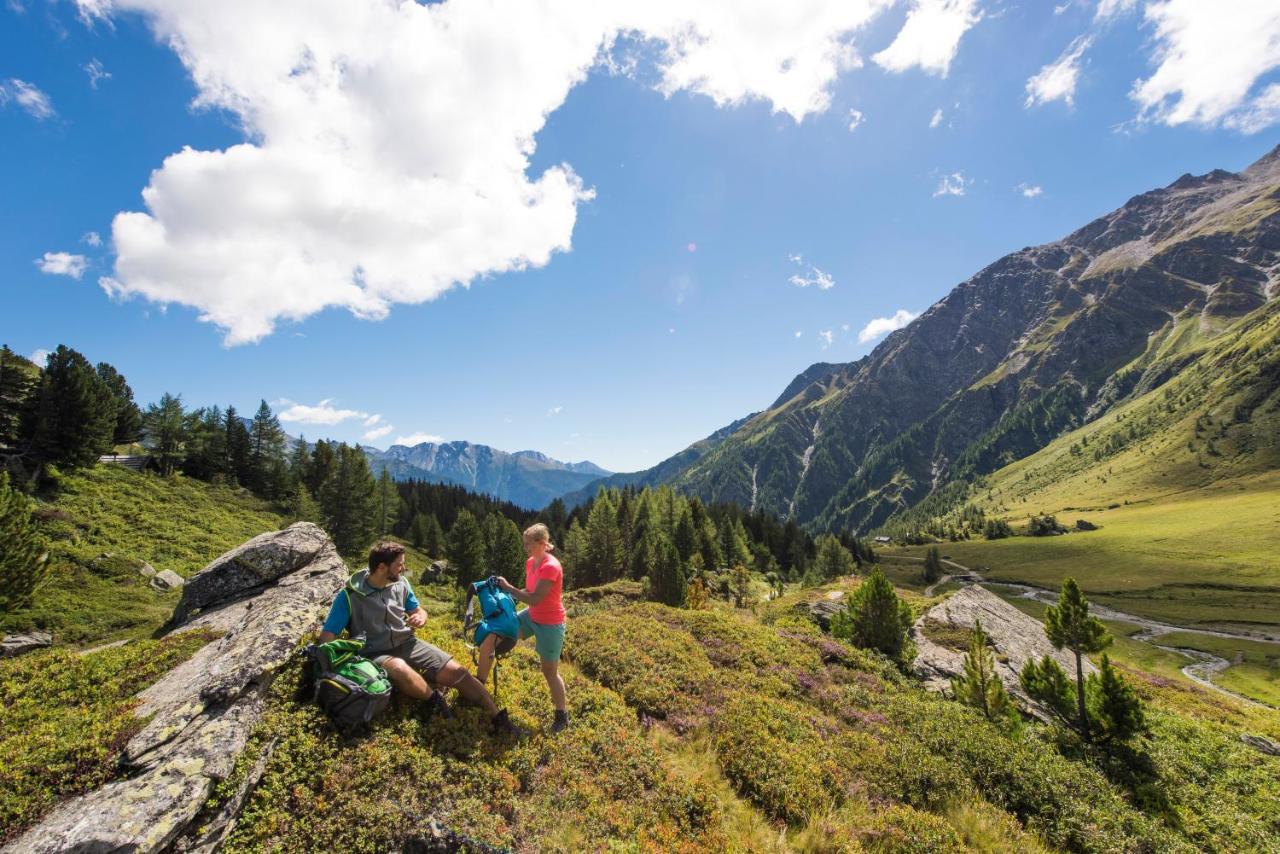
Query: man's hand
[(417, 619), (503, 584)]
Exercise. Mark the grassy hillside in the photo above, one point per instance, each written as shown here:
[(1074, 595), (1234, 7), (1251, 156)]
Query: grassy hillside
[(103, 523)]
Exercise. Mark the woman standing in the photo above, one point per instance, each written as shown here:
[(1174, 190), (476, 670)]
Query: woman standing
[(544, 618)]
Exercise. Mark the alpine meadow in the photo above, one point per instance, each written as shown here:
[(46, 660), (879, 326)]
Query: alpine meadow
[(353, 364)]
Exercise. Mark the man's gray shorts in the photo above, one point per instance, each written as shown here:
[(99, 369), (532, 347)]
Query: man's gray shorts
[(421, 656)]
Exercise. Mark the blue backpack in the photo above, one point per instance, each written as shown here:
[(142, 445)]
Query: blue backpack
[(497, 615)]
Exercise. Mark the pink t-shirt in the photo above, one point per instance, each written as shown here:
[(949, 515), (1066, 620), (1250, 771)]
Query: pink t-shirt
[(550, 611)]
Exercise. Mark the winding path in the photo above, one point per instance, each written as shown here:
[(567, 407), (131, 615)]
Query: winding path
[(1203, 667)]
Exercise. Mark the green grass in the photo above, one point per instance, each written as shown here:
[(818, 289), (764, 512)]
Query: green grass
[(1255, 668), (172, 523)]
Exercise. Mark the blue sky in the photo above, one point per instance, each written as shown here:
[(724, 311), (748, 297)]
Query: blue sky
[(631, 284)]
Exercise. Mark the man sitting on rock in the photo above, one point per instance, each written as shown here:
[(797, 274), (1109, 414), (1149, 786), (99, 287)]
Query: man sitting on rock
[(379, 604)]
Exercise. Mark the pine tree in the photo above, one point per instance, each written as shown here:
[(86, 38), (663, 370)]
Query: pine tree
[(876, 618), (932, 565), (74, 414), (667, 582), (238, 449), (302, 506), (300, 463), (348, 500), (466, 549), (685, 536), (323, 461), (734, 544), (266, 452), (1047, 683), (980, 686), (1119, 709), (19, 379), (602, 561), (575, 547), (833, 559), (433, 538), (740, 580), (128, 420), (1069, 625), (387, 499), (505, 548), (22, 558), (166, 428)]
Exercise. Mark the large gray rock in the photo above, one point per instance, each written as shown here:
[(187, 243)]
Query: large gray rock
[(21, 644), (204, 709), (257, 563), (167, 579), (1015, 637)]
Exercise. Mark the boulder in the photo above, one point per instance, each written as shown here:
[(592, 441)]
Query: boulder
[(1261, 744), (204, 709), (147, 571), (21, 644), (1015, 637), (167, 579), (822, 610), (252, 566), (437, 570)]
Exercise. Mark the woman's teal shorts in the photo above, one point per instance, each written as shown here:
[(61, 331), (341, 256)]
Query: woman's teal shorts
[(547, 640)]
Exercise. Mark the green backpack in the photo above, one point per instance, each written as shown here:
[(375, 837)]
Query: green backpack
[(350, 688)]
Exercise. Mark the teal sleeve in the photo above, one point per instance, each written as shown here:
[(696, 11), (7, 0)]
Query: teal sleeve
[(411, 603), (339, 614)]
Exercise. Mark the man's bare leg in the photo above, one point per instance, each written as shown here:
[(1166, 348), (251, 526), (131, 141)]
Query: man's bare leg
[(454, 675)]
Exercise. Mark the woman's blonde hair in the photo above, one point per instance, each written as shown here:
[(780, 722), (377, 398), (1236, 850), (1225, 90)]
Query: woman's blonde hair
[(540, 533)]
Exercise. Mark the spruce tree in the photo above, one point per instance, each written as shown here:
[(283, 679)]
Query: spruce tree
[(466, 549), (505, 548), (685, 535), (74, 414), (238, 447), (19, 379), (667, 582), (833, 559), (740, 581), (575, 547), (876, 618), (602, 561), (348, 500), (266, 452), (433, 537), (128, 421), (323, 461), (387, 500), (206, 446), (980, 686), (932, 565), (166, 429), (1069, 625), (1119, 709), (300, 463), (735, 547), (302, 506), (22, 558)]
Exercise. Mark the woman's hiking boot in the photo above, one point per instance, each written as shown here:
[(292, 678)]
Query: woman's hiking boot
[(501, 725), (561, 723)]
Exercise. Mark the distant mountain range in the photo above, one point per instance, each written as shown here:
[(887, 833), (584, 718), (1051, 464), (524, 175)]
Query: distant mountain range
[(527, 478), (1043, 340)]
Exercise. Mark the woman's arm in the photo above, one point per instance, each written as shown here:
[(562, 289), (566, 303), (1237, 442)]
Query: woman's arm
[(542, 591)]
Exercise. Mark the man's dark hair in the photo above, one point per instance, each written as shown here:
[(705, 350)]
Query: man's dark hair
[(384, 552)]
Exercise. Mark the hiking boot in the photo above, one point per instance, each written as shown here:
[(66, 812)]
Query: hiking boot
[(435, 705), (501, 725), (561, 722)]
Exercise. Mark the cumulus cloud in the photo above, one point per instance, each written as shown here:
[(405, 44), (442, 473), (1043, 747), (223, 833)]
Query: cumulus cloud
[(1057, 80), (931, 36), (92, 238), (96, 73), (937, 118), (810, 277), (323, 412), (28, 96), (882, 326), (377, 433), (1029, 190), (39, 356), (417, 439), (388, 153), (826, 337), (954, 184), (62, 264), (1208, 56), (855, 119), (372, 420)]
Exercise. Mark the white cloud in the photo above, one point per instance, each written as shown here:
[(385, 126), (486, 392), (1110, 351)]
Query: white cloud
[(882, 326), (92, 238), (1112, 8), (62, 264), (377, 433), (798, 333), (323, 412), (954, 184), (372, 420), (417, 439), (1057, 80), (96, 73), (39, 356), (555, 410), (855, 119), (1208, 57), (826, 337), (388, 153), (931, 36), (937, 118), (28, 96), (1029, 190), (813, 277)]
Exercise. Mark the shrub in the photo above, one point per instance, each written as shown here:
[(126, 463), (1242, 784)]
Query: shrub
[(876, 619)]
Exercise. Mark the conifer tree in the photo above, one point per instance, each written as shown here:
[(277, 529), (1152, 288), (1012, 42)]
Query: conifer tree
[(239, 448), (22, 558), (128, 418), (833, 559), (323, 461), (575, 546), (166, 428), (667, 582), (348, 500), (980, 686), (300, 462), (425, 534), (466, 550), (685, 536), (205, 454), (266, 451), (1047, 683), (387, 499), (1120, 710), (302, 506), (740, 581), (19, 379), (602, 561), (734, 543), (932, 565), (505, 548), (74, 414), (876, 618), (1069, 625)]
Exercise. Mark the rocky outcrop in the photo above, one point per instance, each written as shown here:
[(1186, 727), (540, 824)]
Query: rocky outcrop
[(167, 579), (262, 598), (1015, 637), (21, 644)]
